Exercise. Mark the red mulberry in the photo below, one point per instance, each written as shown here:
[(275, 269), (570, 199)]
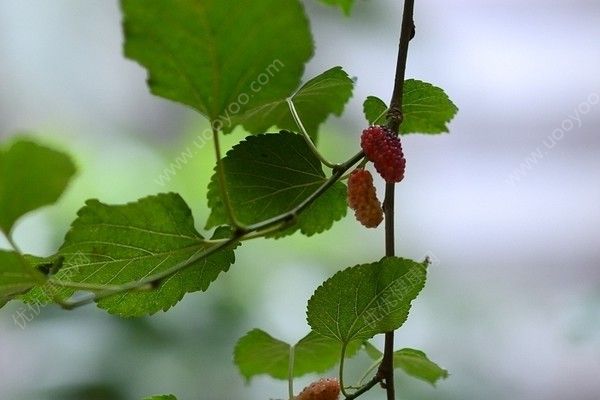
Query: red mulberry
[(324, 389), (362, 198), (385, 150)]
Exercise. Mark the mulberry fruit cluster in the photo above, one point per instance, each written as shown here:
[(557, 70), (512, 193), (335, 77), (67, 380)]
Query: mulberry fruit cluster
[(383, 148), (324, 389), (362, 198)]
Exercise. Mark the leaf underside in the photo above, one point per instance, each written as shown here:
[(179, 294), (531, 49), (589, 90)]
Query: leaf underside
[(259, 353), (31, 176), (413, 362), (344, 5), (375, 110), (426, 108), (320, 97)]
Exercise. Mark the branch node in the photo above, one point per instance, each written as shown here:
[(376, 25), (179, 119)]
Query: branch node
[(395, 118), (240, 231)]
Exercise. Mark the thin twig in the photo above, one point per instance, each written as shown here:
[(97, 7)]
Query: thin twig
[(293, 214), (406, 34), (368, 386), (275, 224), (386, 369), (152, 280)]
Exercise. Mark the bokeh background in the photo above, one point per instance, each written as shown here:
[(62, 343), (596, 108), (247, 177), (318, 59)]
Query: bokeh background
[(508, 204)]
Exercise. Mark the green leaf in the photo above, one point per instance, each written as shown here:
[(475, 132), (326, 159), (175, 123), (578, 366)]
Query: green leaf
[(126, 243), (365, 300), (316, 100), (413, 362), (375, 110), (31, 176), (220, 57), (372, 351), (14, 277), (316, 353), (259, 353), (47, 293), (345, 5), (416, 364), (163, 397), (268, 175), (426, 108)]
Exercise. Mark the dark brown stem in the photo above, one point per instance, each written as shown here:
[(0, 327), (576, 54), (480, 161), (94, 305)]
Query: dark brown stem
[(386, 369), (406, 34)]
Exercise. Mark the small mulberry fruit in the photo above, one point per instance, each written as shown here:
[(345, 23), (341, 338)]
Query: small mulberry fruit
[(324, 389), (362, 198), (385, 150)]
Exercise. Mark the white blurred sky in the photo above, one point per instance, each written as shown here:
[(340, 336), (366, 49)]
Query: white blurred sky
[(519, 272)]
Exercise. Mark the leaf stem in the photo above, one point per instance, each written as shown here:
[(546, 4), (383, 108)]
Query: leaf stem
[(84, 286), (386, 368), (372, 368), (152, 280), (223, 183), (306, 136), (380, 116), (341, 372), (271, 229), (291, 372)]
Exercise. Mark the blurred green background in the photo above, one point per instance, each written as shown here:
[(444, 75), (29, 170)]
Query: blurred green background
[(512, 306)]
